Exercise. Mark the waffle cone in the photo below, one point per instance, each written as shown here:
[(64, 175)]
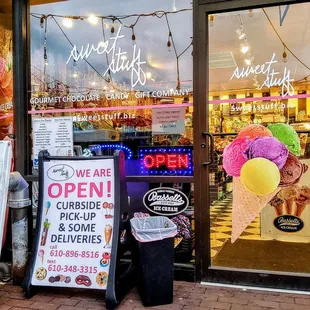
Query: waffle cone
[(289, 206), (279, 209), (246, 206), (300, 207)]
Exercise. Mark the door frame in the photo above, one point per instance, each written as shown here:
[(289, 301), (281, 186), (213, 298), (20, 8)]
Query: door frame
[(204, 271)]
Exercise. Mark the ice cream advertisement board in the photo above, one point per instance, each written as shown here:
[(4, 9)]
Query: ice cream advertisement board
[(287, 216), (76, 226)]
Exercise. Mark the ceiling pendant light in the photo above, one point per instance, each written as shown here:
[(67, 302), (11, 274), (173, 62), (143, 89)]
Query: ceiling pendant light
[(249, 61), (240, 33), (245, 48)]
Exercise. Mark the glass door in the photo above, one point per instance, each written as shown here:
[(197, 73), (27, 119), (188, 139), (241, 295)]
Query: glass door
[(259, 115)]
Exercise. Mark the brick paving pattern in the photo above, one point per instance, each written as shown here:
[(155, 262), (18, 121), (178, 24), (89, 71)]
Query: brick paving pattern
[(187, 296)]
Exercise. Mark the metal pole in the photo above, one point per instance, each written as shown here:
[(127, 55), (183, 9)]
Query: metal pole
[(19, 202), (21, 71)]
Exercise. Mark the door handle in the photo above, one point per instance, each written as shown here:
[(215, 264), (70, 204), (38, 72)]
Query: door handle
[(211, 148)]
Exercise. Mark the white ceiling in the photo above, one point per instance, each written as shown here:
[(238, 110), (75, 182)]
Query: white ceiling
[(263, 41)]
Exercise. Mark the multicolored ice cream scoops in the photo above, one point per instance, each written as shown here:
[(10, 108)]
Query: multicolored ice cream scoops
[(255, 130), (287, 135), (269, 148), (292, 171), (233, 158)]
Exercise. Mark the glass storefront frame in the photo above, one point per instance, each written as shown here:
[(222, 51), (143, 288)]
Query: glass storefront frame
[(22, 63), (203, 143)]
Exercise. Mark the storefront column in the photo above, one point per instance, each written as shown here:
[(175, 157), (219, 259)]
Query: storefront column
[(21, 69)]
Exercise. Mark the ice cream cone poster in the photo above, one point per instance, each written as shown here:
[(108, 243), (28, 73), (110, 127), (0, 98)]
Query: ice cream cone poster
[(263, 160), (287, 215), (77, 213)]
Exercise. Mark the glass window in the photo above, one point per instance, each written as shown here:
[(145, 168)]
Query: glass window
[(124, 75), (259, 72)]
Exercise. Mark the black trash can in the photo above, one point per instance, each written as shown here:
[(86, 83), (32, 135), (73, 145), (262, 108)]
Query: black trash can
[(156, 263)]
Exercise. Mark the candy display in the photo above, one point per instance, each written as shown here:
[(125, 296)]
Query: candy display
[(292, 171), (269, 148), (255, 130), (183, 226), (233, 158), (287, 135), (260, 176)]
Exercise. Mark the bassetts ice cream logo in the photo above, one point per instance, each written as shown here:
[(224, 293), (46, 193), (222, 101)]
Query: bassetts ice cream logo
[(288, 223)]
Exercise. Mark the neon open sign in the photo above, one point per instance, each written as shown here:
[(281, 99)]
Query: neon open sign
[(166, 160)]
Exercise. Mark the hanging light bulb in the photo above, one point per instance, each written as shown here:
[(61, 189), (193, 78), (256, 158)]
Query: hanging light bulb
[(174, 7), (113, 28), (67, 22), (250, 13), (123, 57), (284, 55), (93, 19), (75, 75), (148, 75), (169, 41), (42, 22), (211, 20), (133, 36), (45, 60), (245, 48)]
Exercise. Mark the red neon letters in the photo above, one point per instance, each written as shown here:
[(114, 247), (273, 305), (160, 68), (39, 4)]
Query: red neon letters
[(170, 161)]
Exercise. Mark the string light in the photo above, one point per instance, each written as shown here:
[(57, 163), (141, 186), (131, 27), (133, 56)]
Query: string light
[(75, 75), (169, 41), (123, 57), (133, 36), (211, 20), (67, 22), (42, 22), (148, 75), (124, 148), (93, 19), (284, 55), (113, 28)]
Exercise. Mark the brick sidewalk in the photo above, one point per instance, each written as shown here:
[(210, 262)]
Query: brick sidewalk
[(188, 296)]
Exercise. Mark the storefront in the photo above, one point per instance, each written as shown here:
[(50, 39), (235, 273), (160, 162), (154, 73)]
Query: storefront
[(98, 78)]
